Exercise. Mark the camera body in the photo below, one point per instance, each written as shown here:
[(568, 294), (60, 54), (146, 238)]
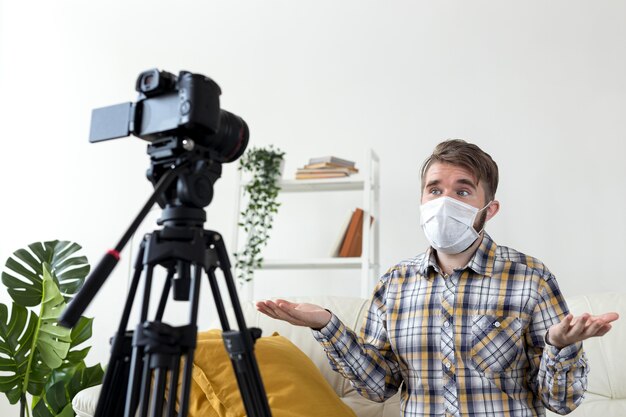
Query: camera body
[(183, 106)]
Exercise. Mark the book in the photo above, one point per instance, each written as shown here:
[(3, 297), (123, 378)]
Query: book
[(344, 228), (348, 244), (311, 176), (328, 165), (346, 171), (356, 250), (331, 160), (352, 244)]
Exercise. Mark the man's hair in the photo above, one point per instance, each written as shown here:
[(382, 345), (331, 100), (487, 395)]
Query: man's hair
[(469, 156)]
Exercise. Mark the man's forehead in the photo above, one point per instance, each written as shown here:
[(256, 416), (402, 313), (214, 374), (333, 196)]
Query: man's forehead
[(438, 172)]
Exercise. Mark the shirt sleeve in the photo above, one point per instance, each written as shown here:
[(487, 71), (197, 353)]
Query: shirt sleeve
[(558, 376), (367, 361)]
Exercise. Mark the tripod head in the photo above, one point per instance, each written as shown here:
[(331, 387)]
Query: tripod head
[(193, 187)]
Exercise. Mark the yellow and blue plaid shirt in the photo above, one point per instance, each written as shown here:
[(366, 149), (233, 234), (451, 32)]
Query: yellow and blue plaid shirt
[(468, 344)]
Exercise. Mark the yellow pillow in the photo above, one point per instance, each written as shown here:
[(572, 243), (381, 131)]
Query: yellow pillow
[(293, 384)]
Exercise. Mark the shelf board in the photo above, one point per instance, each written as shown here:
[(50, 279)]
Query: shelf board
[(325, 184), (313, 263)]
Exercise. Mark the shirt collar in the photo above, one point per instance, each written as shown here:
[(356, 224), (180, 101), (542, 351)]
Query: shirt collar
[(484, 257), (481, 262)]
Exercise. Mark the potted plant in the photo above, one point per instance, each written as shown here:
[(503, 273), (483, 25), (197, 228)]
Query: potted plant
[(39, 357), (264, 167)]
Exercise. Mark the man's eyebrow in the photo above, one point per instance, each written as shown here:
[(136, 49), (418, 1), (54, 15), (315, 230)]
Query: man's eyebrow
[(466, 182)]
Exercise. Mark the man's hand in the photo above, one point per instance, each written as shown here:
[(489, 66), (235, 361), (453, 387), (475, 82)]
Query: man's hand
[(308, 315), (575, 329)]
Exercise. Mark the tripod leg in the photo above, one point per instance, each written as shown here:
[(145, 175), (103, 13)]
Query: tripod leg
[(217, 296), (146, 376), (112, 393), (137, 362), (188, 365), (165, 294), (158, 392), (171, 398), (240, 344)]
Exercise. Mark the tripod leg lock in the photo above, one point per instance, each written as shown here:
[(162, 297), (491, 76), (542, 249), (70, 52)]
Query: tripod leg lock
[(158, 337)]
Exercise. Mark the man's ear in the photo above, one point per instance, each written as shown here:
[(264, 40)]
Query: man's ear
[(492, 210)]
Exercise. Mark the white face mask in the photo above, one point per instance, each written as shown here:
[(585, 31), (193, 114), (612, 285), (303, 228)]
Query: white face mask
[(449, 224)]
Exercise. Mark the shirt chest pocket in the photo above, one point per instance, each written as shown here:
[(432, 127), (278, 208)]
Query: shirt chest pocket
[(496, 342)]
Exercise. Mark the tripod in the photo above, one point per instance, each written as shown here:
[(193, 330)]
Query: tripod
[(145, 364)]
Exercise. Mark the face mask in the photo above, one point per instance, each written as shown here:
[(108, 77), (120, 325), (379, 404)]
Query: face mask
[(449, 224)]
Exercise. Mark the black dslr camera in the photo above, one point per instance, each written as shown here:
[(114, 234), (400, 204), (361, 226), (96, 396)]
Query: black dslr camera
[(187, 106), (181, 118)]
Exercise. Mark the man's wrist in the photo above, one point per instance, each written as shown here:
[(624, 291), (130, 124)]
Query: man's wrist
[(330, 317), (551, 342)]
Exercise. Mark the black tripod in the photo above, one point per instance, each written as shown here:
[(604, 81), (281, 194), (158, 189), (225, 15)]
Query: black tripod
[(145, 363)]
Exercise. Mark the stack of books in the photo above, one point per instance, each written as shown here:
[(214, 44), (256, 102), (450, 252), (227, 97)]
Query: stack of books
[(326, 167)]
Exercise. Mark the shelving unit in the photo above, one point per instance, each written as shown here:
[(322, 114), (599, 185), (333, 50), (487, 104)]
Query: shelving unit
[(367, 182)]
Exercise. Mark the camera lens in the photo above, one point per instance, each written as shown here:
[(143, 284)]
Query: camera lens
[(231, 138)]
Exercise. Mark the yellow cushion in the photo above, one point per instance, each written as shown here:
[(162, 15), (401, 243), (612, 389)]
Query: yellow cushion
[(294, 385)]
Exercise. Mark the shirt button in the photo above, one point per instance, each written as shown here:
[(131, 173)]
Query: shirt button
[(446, 324), (496, 324), (448, 365)]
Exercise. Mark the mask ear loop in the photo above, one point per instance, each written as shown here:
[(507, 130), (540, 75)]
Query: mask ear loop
[(488, 204)]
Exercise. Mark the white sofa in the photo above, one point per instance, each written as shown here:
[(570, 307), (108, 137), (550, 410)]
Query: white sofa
[(606, 396)]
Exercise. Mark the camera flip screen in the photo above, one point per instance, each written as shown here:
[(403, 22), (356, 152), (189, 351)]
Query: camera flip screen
[(110, 122)]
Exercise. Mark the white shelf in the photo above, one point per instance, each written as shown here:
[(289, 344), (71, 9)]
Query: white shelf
[(314, 263), (328, 184), (367, 182), (325, 184)]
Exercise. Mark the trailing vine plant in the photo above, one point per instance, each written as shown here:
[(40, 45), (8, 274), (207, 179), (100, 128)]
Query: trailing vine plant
[(261, 192)]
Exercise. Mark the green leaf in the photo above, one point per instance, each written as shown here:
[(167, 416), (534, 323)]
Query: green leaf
[(81, 331), (24, 284), (84, 378), (54, 340), (68, 411), (40, 410), (17, 334), (56, 398)]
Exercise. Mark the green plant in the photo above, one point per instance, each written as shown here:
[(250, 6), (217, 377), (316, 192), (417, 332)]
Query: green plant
[(264, 166), (37, 356)]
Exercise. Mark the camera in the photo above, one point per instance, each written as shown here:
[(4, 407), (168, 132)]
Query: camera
[(186, 106)]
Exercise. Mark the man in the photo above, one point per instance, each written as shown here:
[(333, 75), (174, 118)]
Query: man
[(468, 328)]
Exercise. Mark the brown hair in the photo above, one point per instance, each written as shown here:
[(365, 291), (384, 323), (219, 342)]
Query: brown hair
[(469, 156)]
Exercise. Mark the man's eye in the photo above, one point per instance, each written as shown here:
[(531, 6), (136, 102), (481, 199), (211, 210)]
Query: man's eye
[(435, 191), (463, 193)]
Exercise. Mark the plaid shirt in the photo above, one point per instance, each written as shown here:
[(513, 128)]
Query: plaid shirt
[(468, 344)]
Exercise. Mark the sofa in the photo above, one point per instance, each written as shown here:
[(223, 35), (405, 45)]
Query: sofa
[(606, 396)]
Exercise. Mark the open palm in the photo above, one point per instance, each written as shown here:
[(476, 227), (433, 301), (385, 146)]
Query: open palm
[(576, 329), (299, 314)]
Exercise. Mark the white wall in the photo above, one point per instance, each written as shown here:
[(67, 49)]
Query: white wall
[(539, 85)]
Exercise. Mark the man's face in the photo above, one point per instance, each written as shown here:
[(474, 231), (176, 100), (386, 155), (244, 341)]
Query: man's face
[(456, 182)]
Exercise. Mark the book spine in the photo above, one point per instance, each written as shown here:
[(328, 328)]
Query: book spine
[(348, 245)]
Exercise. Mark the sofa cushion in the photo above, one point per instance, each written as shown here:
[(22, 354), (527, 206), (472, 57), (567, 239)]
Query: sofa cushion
[(294, 385), (349, 310)]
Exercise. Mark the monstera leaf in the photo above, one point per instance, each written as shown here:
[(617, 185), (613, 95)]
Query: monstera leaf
[(37, 356), (25, 283), (53, 341), (32, 345), (16, 342), (61, 389)]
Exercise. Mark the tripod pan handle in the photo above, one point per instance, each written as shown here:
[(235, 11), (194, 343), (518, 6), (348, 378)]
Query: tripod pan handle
[(92, 285)]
